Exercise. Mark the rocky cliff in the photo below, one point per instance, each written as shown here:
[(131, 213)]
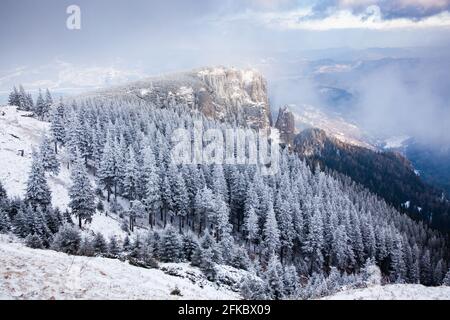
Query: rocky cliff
[(286, 125), (226, 94)]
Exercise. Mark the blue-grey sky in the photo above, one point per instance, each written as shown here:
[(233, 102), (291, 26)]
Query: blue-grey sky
[(131, 38)]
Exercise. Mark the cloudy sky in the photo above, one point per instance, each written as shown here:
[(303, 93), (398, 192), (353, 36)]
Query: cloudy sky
[(127, 39)]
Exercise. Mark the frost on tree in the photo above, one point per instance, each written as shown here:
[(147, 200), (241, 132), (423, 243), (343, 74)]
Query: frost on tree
[(82, 200)]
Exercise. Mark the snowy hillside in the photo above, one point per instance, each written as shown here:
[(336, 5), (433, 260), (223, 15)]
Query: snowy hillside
[(43, 274), (20, 132), (394, 292)]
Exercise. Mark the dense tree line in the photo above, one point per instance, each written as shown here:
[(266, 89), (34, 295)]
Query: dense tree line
[(24, 101), (293, 229)]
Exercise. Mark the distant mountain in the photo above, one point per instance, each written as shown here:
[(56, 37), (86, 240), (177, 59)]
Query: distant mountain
[(387, 174)]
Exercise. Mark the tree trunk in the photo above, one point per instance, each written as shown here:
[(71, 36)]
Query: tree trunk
[(79, 221), (56, 147)]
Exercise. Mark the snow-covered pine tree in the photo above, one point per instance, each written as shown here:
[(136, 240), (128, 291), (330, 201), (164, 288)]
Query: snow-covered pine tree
[(398, 266), (131, 176), (152, 197), (99, 244), (37, 192), (82, 199), (3, 195), (48, 156), (284, 217), (274, 278), (204, 207), (446, 281), (271, 232), (40, 106), (14, 98), (113, 246), (314, 241), (57, 127), (438, 272), (291, 282), (254, 289), (137, 210), (190, 244), (48, 103), (5, 223), (171, 245), (219, 183), (251, 226), (34, 241), (107, 171), (425, 268), (67, 240)]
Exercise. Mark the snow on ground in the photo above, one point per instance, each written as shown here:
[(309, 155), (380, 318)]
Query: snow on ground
[(21, 132), (394, 292), (44, 274)]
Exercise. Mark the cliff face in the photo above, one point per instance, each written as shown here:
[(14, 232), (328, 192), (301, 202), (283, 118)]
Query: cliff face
[(286, 125), (225, 94)]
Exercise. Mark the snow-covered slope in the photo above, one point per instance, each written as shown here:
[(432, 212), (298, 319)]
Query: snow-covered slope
[(394, 292), (44, 274), (20, 132)]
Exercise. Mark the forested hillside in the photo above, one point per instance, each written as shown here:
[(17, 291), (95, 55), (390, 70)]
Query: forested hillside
[(303, 233)]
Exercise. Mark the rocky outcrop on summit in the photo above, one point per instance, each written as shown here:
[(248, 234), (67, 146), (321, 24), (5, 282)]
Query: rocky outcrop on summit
[(225, 94), (286, 125)]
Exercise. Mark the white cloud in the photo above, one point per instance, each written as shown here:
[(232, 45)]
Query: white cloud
[(62, 75), (371, 18)]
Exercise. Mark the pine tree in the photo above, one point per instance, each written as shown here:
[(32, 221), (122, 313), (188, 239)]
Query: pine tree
[(152, 197), (48, 156), (40, 106), (291, 282), (285, 223), (274, 278), (425, 268), (14, 98), (190, 244), (271, 232), (82, 200), (438, 273), (137, 210), (5, 223), (57, 127), (171, 246), (131, 176), (253, 289), (219, 182), (113, 246), (48, 103), (87, 247), (34, 241), (3, 195), (204, 206), (67, 240), (99, 244), (314, 241), (251, 225), (108, 168), (446, 281), (37, 192)]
